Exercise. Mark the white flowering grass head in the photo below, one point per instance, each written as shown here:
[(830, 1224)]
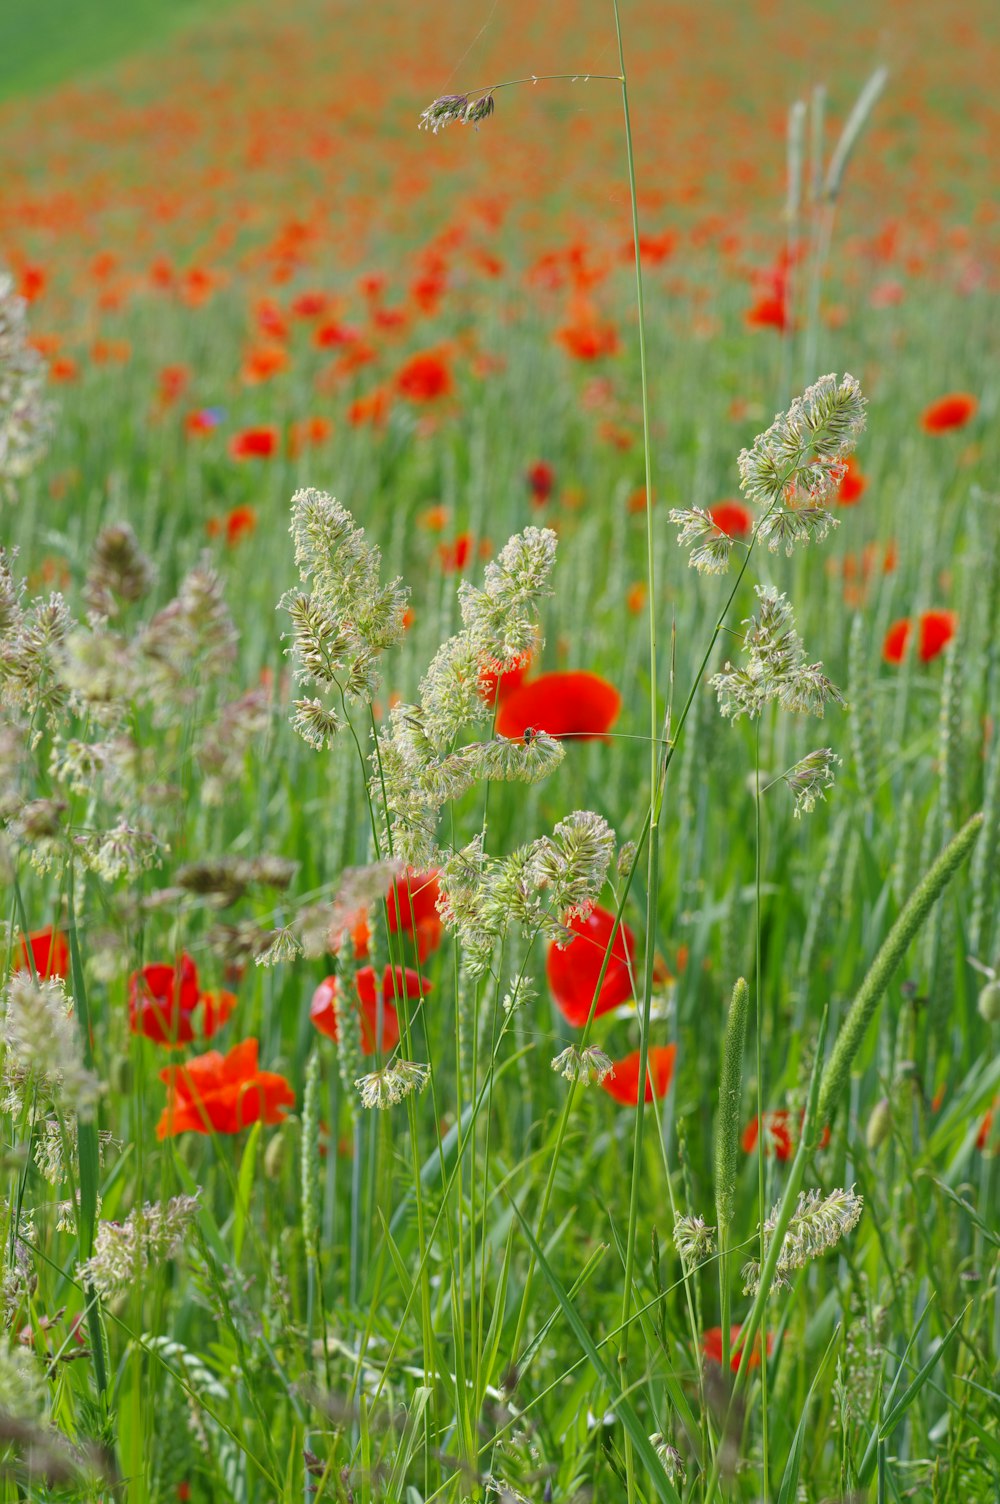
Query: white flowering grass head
[(775, 668), (26, 417)]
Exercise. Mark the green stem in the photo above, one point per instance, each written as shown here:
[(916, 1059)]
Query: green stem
[(760, 1093)]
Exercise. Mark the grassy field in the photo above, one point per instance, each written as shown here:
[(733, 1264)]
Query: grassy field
[(272, 1230)]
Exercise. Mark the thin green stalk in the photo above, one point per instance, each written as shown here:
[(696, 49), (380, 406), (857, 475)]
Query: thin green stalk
[(652, 854), (760, 1091)]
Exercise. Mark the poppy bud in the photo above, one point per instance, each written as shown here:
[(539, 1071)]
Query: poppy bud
[(879, 1125), (988, 1003), (120, 1075), (275, 1156)]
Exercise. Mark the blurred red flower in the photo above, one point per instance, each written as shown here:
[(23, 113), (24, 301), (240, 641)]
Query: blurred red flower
[(778, 1134), (47, 951), (215, 1093), (541, 480), (573, 970), (711, 1346), (254, 443), (576, 704), (852, 486), (952, 411), (162, 1001), (412, 908), (732, 517), (395, 983), (425, 377), (937, 628), (624, 1084)]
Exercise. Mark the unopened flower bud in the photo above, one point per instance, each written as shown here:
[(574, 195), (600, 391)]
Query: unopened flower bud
[(879, 1125), (988, 1003)]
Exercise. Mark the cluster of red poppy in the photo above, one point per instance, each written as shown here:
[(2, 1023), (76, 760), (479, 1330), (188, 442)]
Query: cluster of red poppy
[(573, 704)]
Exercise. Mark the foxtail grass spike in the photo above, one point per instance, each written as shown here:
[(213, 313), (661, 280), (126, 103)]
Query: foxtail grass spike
[(310, 1164), (795, 159), (984, 863), (819, 911), (906, 855), (852, 130), (949, 733), (882, 969), (727, 1128), (859, 698)]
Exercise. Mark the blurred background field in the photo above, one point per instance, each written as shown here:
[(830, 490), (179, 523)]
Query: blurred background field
[(248, 271)]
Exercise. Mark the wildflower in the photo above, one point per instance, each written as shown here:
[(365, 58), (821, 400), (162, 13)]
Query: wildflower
[(123, 1251), (586, 338), (623, 1085), (711, 1346), (817, 1224), (573, 968), (936, 629), (396, 982), (733, 518), (203, 420), (162, 1000), (852, 484), (254, 443), (455, 555), (575, 704), (494, 686), (714, 543), (425, 377), (46, 951), (173, 382), (442, 111), (985, 1135), (583, 1066), (778, 1138), (215, 1093), (263, 362), (541, 479), (952, 411), (412, 908), (384, 1088)]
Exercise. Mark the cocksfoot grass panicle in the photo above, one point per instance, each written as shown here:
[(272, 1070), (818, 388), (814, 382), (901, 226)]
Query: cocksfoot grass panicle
[(587, 1067), (124, 1250), (26, 417), (455, 108), (386, 1087), (693, 1239), (809, 779), (775, 669), (817, 1225), (41, 1042), (118, 574), (793, 469)]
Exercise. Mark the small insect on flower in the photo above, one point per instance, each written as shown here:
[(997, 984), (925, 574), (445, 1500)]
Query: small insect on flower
[(576, 704)]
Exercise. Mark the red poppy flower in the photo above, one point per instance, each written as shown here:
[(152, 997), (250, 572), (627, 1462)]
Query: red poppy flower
[(732, 517), (373, 408), (254, 443), (852, 486), (778, 1139), (263, 362), (235, 524), (309, 305), (541, 480), (952, 411), (769, 312), (161, 999), (711, 1346), (395, 983), (412, 907), (222, 1093), (173, 380), (777, 1135), (937, 628), (63, 368), (329, 335), (494, 687), (573, 969), (46, 950), (587, 339), (624, 1084), (985, 1133), (576, 704), (31, 283), (425, 377), (456, 554)]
